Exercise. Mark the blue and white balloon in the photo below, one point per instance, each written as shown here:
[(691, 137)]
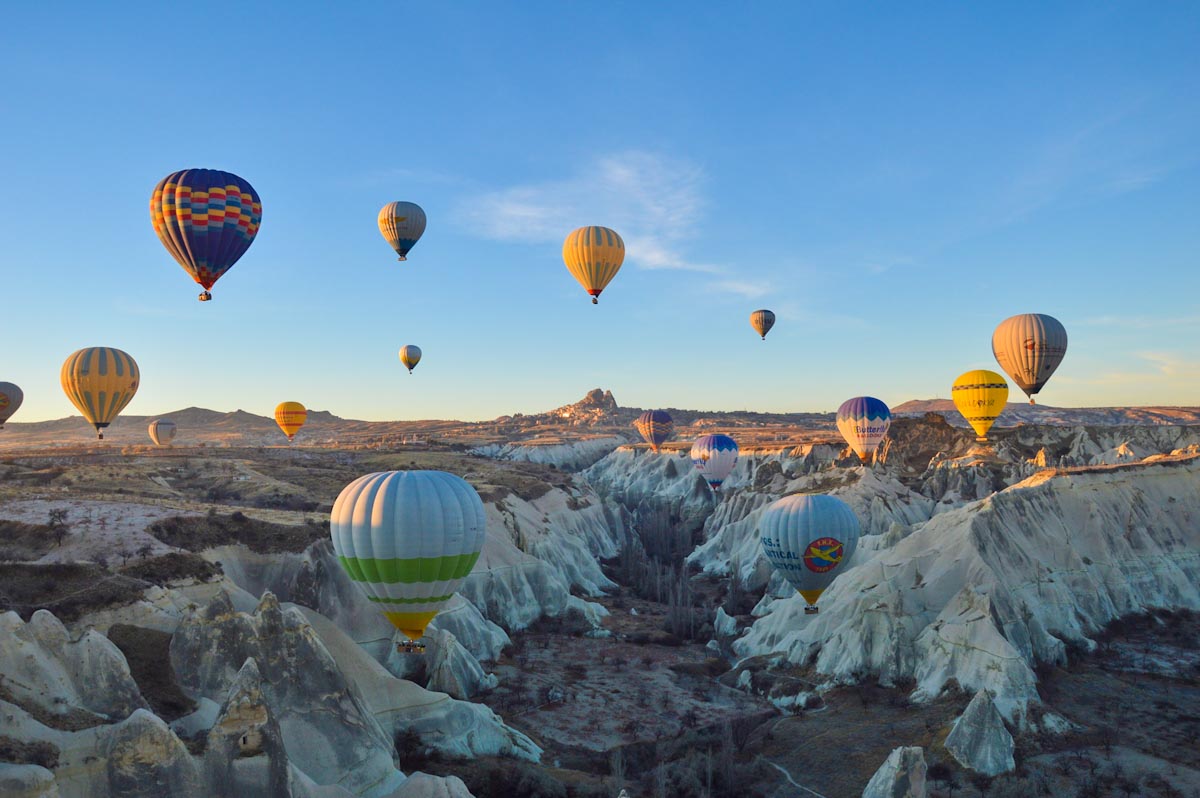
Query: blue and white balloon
[(863, 422), (715, 456)]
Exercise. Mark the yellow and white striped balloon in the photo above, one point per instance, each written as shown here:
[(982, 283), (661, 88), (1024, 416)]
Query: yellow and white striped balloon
[(410, 356), (100, 381), (408, 539), (594, 256), (402, 224)]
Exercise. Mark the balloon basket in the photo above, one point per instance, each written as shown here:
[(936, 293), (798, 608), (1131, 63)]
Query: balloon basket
[(595, 301), (811, 610), (205, 296), (410, 647)]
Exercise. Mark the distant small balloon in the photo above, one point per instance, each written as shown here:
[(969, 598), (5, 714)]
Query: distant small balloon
[(402, 224), (980, 396), (762, 321), (410, 356), (656, 426), (162, 431), (290, 416), (715, 457), (10, 401)]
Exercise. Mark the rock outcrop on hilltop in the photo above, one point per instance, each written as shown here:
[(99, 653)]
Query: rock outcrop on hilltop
[(979, 740)]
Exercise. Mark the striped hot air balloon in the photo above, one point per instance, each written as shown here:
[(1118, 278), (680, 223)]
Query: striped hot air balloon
[(593, 256), (100, 381), (715, 456), (980, 396), (655, 426), (762, 321), (1029, 347), (162, 431), (10, 401), (402, 224), (808, 539), (206, 219), (290, 416), (408, 539), (410, 356), (863, 422)]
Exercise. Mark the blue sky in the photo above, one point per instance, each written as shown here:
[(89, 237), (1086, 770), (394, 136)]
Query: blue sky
[(892, 181)]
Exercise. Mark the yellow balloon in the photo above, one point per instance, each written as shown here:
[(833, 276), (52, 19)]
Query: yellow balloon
[(980, 396), (410, 356), (290, 416), (100, 381), (593, 256)]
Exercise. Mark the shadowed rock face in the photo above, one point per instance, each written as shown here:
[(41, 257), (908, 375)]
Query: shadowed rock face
[(447, 667), (27, 781), (245, 749), (902, 775), (979, 739)]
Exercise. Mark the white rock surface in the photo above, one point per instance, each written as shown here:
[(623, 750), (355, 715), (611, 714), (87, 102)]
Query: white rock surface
[(902, 775), (979, 739), (27, 781), (569, 456), (445, 667), (422, 785)]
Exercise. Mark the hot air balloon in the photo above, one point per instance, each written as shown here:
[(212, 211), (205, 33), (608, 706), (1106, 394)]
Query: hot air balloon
[(206, 219), (100, 381), (655, 426), (762, 321), (402, 224), (715, 456), (863, 422), (408, 539), (290, 416), (593, 256), (10, 401), (1029, 347), (410, 356), (980, 396), (162, 431), (808, 538)]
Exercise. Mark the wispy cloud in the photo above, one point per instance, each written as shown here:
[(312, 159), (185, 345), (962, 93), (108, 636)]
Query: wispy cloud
[(1141, 322), (655, 202), (746, 288)]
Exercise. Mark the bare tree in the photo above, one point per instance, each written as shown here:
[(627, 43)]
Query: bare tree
[(58, 525)]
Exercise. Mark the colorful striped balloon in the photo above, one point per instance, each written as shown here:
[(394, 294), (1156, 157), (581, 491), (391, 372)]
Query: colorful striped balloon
[(206, 219), (1030, 347), (715, 456), (980, 396), (10, 400), (100, 381), (593, 256), (762, 321), (863, 422), (655, 426), (290, 416), (809, 538), (408, 539), (402, 224)]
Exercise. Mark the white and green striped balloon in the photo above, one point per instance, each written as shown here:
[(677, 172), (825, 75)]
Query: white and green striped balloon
[(408, 539)]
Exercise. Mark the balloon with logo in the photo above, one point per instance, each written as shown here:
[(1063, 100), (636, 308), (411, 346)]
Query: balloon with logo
[(593, 256), (410, 356), (206, 219), (290, 416), (808, 538), (162, 431), (1029, 347), (762, 321), (656, 426), (863, 422), (100, 381), (402, 224), (980, 396), (10, 401), (408, 539), (715, 456)]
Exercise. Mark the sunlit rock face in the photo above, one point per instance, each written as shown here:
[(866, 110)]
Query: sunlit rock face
[(983, 592), (568, 456), (144, 759)]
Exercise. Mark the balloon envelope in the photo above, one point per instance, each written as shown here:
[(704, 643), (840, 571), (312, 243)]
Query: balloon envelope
[(655, 426), (762, 321), (10, 401), (808, 539), (1029, 347), (206, 219), (408, 539), (410, 356), (863, 422), (593, 256), (402, 224), (162, 431), (980, 396), (290, 416), (100, 381), (715, 456)]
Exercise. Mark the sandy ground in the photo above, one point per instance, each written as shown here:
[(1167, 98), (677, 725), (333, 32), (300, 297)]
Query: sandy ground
[(97, 529)]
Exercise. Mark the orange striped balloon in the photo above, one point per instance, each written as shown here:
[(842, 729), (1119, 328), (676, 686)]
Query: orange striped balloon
[(290, 416)]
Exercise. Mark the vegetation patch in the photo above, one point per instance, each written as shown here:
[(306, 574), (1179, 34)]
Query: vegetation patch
[(173, 567), (19, 752), (74, 719), (19, 542), (69, 590), (197, 534), (148, 652)]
